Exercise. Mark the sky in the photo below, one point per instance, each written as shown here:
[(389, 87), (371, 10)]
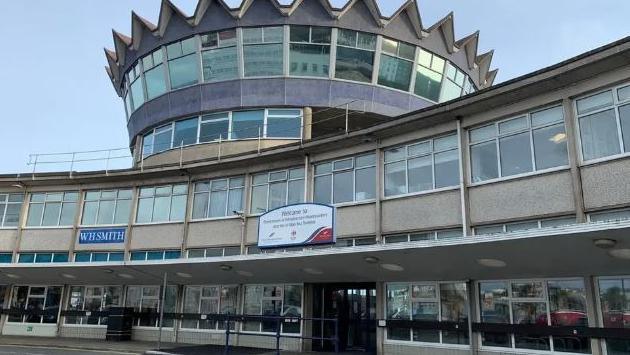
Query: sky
[(56, 97)]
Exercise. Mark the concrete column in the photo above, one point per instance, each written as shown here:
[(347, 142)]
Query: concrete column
[(307, 123), (75, 226), (307, 312), (463, 178), (473, 315), (132, 216), (137, 151), (7, 301), (246, 208), (187, 216), (380, 314), (378, 225), (590, 286), (21, 224), (574, 160)]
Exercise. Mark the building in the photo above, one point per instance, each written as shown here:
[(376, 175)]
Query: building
[(469, 218)]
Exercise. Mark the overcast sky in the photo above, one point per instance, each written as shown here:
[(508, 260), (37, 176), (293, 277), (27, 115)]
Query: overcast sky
[(56, 97)]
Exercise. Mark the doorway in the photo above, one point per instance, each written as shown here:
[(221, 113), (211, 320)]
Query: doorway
[(354, 305)]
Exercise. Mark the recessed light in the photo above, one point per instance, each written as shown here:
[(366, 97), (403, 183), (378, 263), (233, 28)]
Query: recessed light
[(371, 259), (12, 276), (108, 271), (392, 267), (183, 274), (312, 271), (245, 273), (68, 276), (225, 267), (605, 243), (495, 263), (620, 253), (126, 276)]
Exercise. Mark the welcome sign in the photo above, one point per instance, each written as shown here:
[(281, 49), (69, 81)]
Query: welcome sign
[(102, 235), (301, 224)]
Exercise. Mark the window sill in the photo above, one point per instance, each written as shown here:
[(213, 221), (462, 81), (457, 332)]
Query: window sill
[(97, 226), (148, 224), (605, 159), (353, 204), (96, 326), (521, 176), (47, 227), (211, 219), (421, 193), (511, 350), (426, 345)]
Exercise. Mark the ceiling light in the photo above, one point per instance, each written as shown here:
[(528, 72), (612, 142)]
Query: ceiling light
[(68, 276), (12, 276), (392, 267), (126, 276), (559, 138), (495, 263), (225, 267), (312, 271), (108, 271), (183, 274), (605, 243), (620, 253), (371, 259), (245, 273)]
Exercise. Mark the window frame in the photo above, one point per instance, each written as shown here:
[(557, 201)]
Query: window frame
[(153, 197), (28, 296), (310, 42), (6, 203), (62, 202), (82, 319), (218, 326), (98, 207), (539, 221), (354, 170), (237, 44), (263, 42), (433, 235), (147, 251), (109, 253), (196, 53), (228, 214), (598, 301), (53, 254), (280, 298), (158, 297), (269, 182)]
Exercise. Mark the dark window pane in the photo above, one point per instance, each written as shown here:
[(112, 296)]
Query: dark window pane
[(220, 64), (185, 132), (354, 64), (484, 161), (247, 124), (395, 73), (183, 71), (599, 136), (263, 60), (516, 156), (428, 84), (447, 169), (309, 60), (624, 117), (550, 147)]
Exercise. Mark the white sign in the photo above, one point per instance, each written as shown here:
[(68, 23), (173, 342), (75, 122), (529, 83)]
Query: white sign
[(302, 224)]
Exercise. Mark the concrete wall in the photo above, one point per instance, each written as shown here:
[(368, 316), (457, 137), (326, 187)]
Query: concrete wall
[(83, 332), (422, 212), (356, 220), (47, 239), (158, 236), (606, 184), (402, 349), (7, 239), (214, 233)]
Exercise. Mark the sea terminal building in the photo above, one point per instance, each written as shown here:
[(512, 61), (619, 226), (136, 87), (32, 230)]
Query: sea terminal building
[(460, 217)]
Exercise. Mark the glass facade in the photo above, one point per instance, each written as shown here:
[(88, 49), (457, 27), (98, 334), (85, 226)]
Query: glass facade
[(614, 294), (345, 180), (263, 51), (218, 198), (273, 300), (219, 56), (145, 300), (36, 298), (276, 189), (92, 299), (106, 207), (396, 65), (309, 51), (355, 56), (162, 203), (183, 63), (209, 300), (52, 209)]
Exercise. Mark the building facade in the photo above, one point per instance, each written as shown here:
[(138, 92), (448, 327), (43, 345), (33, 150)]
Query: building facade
[(469, 218)]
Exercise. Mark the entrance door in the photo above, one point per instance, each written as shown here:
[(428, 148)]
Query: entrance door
[(354, 306)]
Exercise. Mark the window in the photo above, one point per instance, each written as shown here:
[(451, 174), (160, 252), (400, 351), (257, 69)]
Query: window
[(276, 189), (97, 257), (52, 209), (609, 216), (185, 132), (429, 73), (423, 166), (136, 86), (533, 142), (273, 300), (284, 124), (263, 51), (183, 63), (209, 300), (352, 242), (6, 258), (105, 207), (604, 121), (427, 302), (553, 302), (396, 64), (422, 236), (145, 300), (355, 56), (147, 144), (163, 138), (219, 56), (346, 180), (92, 299), (218, 198), (154, 74), (309, 51), (162, 203), (10, 206), (214, 252), (155, 255), (614, 294), (36, 298), (39, 258), (248, 124), (453, 86), (525, 225), (214, 127)]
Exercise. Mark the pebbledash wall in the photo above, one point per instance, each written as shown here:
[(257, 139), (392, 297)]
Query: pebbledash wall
[(543, 154)]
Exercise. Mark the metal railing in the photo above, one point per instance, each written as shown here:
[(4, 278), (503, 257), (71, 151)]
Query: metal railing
[(121, 158)]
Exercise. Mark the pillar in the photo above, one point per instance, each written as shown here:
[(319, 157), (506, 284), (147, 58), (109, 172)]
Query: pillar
[(307, 123)]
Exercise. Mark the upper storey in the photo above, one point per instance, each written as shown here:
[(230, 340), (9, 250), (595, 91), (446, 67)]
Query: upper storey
[(308, 54)]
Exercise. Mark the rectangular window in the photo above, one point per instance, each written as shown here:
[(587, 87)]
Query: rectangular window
[(146, 301), (614, 294), (154, 74), (604, 121), (263, 51), (533, 142), (396, 64), (214, 252), (422, 236), (106, 207), (209, 300), (423, 166), (163, 138), (346, 180), (185, 132), (524, 225), (248, 124), (183, 63), (219, 56), (429, 73), (284, 123), (355, 56), (273, 300), (162, 203), (92, 299), (553, 302), (136, 86), (6, 258), (609, 216), (96, 257), (42, 258), (10, 207), (214, 127), (309, 51), (276, 189), (36, 298), (444, 302), (52, 209), (453, 86), (155, 255), (218, 198)]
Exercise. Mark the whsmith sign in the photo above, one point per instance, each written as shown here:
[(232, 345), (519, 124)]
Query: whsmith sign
[(302, 224), (102, 235)]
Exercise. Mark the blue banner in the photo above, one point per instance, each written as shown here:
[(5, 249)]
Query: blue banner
[(102, 235)]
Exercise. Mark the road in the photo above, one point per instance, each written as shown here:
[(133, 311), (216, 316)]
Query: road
[(32, 350)]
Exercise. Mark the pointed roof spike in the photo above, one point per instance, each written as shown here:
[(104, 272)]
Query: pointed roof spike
[(411, 8), (121, 43), (484, 61), (325, 4), (492, 75), (447, 27), (138, 25), (471, 44), (202, 8), (371, 5), (246, 4), (110, 54), (167, 10), (113, 65)]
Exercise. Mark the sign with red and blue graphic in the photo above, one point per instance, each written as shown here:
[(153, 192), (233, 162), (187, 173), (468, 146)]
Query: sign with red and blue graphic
[(294, 225)]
